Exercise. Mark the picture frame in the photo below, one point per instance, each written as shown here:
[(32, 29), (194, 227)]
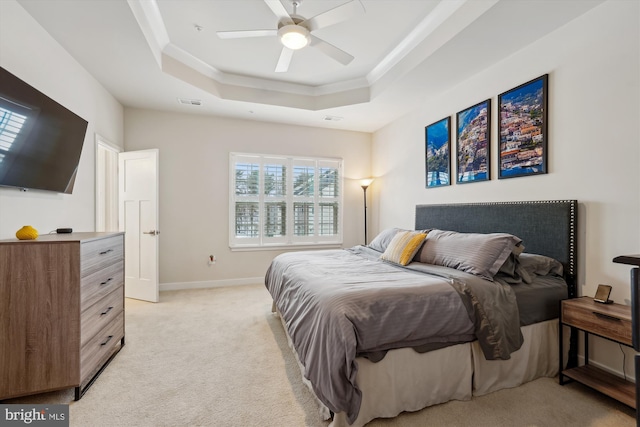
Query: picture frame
[(438, 153), (473, 143), (522, 129)]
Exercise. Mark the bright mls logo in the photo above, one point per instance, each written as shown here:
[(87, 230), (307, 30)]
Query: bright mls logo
[(35, 415)]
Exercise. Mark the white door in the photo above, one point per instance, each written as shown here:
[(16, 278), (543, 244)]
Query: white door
[(138, 214)]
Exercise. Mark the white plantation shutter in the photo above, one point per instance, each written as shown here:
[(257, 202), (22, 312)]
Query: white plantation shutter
[(281, 201), (246, 196), (274, 189), (329, 196), (304, 190)]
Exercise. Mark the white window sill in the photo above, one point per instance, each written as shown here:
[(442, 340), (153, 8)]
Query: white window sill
[(282, 247)]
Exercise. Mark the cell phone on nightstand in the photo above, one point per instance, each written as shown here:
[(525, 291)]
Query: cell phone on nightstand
[(602, 294)]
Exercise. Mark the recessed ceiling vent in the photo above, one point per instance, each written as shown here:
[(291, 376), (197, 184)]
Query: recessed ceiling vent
[(185, 101), (332, 118)]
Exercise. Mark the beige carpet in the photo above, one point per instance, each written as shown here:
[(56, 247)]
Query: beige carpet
[(218, 357)]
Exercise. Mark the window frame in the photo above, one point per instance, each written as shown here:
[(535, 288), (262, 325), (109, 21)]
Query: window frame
[(289, 239)]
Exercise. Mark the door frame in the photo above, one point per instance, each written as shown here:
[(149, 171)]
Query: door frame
[(106, 184)]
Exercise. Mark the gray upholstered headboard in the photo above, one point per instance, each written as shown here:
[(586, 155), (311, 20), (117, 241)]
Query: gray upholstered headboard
[(545, 227)]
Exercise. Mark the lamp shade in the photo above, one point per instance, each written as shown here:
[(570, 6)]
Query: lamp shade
[(366, 182), (294, 36)]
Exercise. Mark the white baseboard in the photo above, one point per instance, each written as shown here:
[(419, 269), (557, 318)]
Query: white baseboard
[(211, 284)]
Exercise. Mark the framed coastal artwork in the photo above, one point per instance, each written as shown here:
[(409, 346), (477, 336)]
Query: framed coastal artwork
[(437, 157), (523, 129), (473, 141)]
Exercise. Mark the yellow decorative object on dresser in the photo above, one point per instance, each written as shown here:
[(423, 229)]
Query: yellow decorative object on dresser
[(27, 233)]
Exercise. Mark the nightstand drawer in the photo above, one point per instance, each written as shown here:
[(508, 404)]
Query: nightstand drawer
[(611, 322)]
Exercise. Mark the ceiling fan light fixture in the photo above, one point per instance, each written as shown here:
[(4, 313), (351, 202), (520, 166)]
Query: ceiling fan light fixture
[(294, 36)]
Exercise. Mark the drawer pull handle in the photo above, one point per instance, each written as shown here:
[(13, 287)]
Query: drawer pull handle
[(106, 252), (106, 281), (606, 316), (106, 311), (108, 339)]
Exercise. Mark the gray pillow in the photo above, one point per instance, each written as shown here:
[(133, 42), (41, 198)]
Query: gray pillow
[(474, 253), (540, 264), (512, 272), (520, 268), (382, 240)]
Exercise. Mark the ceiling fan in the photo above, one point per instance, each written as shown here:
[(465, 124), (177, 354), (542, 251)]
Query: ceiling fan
[(295, 31)]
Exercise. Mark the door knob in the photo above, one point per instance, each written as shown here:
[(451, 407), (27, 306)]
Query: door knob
[(152, 232)]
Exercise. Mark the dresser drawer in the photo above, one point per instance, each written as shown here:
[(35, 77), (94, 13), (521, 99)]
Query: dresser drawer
[(95, 352), (98, 254), (595, 318), (96, 317), (102, 282)]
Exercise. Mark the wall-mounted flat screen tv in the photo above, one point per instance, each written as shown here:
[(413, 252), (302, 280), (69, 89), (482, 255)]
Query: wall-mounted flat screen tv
[(40, 140)]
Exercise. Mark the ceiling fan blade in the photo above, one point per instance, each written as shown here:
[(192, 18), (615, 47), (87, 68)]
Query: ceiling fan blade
[(334, 16), (284, 60), (338, 54), (278, 9), (246, 33)]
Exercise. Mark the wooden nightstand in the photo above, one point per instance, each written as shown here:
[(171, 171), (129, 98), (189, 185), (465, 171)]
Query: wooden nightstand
[(609, 321)]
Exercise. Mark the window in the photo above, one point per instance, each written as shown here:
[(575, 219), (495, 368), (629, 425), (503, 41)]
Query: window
[(281, 201)]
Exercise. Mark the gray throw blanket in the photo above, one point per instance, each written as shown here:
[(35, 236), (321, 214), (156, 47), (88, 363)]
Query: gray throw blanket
[(340, 304)]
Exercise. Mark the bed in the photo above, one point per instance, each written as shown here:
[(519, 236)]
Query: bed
[(356, 323)]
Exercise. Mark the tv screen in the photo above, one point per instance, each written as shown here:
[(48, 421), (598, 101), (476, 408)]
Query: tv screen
[(40, 140)]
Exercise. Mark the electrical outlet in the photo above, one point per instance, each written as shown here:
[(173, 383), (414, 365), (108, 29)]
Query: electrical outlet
[(211, 260)]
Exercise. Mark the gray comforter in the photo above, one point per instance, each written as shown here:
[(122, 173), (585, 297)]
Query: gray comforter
[(341, 304)]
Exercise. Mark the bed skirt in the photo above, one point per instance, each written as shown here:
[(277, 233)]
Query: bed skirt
[(538, 357), (409, 381)]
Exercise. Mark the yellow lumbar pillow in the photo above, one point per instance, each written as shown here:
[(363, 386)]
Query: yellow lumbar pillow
[(27, 233), (403, 247)]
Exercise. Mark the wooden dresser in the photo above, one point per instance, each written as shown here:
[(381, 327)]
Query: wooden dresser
[(61, 311)]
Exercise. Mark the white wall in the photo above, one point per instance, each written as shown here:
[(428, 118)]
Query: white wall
[(194, 186), (594, 147), (29, 52)]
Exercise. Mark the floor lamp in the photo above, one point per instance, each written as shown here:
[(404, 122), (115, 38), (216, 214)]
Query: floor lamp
[(365, 183)]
